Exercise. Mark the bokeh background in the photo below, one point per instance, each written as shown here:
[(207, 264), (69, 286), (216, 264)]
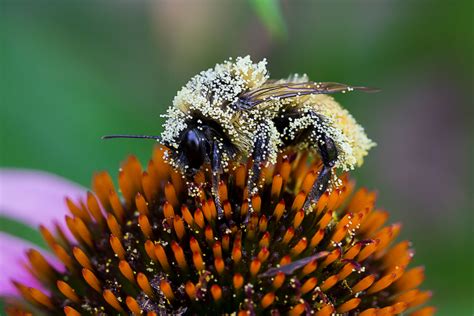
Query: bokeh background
[(72, 71)]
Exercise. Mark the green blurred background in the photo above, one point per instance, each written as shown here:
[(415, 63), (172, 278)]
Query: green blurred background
[(72, 71)]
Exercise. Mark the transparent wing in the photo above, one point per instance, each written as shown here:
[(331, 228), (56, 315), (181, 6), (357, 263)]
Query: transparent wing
[(272, 91)]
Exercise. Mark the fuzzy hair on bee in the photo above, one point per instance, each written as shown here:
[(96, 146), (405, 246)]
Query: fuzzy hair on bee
[(234, 112)]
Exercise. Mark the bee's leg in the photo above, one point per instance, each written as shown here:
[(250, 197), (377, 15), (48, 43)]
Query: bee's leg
[(260, 154), (216, 169), (328, 152)]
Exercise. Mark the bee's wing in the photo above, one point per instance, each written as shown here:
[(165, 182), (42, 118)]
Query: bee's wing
[(273, 90)]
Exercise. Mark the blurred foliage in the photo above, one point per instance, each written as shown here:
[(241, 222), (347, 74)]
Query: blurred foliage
[(72, 71)]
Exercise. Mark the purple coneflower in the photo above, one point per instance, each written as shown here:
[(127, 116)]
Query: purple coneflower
[(155, 249)]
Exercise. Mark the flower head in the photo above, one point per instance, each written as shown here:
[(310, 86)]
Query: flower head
[(159, 248)]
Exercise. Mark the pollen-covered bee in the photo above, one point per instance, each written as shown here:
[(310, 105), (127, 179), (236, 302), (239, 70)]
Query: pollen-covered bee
[(234, 112)]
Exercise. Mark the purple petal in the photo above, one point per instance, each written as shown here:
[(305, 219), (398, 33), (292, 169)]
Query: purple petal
[(12, 260), (35, 197)]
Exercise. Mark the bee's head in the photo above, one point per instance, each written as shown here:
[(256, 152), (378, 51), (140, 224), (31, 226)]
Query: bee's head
[(193, 151)]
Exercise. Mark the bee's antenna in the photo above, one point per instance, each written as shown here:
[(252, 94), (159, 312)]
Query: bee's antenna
[(131, 136)]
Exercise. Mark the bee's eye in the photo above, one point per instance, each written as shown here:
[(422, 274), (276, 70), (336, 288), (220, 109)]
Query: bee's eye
[(192, 146)]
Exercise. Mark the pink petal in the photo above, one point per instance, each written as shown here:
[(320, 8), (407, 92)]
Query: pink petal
[(12, 260), (35, 197)]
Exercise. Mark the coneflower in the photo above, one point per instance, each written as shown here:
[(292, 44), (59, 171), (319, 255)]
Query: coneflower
[(159, 249)]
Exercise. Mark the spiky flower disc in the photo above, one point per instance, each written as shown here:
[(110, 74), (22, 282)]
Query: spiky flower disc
[(160, 249)]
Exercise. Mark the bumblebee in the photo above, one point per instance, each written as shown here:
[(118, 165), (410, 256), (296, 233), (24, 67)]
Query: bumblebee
[(234, 112)]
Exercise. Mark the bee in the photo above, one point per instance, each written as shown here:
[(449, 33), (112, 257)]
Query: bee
[(234, 112)]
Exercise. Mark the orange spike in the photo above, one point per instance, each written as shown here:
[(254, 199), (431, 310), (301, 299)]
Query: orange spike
[(299, 247), (187, 215), (400, 250), (244, 208), (117, 247), (262, 224), (346, 271), (322, 203), (309, 268), (47, 236), (353, 251), (91, 279), (151, 314), (225, 242), (206, 210), (179, 255), (399, 307), (150, 250), (212, 208), (327, 310), (198, 261), (209, 234), (236, 254), (82, 258), (179, 227), (411, 279), (126, 270), (331, 257), (114, 226), (222, 191), (263, 254), (329, 283), (194, 245), (276, 185), (168, 211), (316, 239), (190, 289), (373, 222), (69, 311), (166, 289), (425, 311), (325, 220), (199, 218), (133, 305), (297, 310), (421, 298), (143, 283), (67, 291), (256, 203), (41, 267), (381, 284), (94, 208), (216, 292), (102, 184), (170, 194), (339, 234), (219, 264), (240, 175), (348, 306), (142, 205), (238, 281), (265, 241), (308, 181), (369, 312), (285, 260), (368, 250), (363, 284), (298, 201), (110, 298), (72, 228), (285, 169), (278, 280), (150, 187), (145, 226), (386, 311), (255, 267), (299, 216), (290, 232), (77, 211), (386, 236), (217, 249), (83, 231), (267, 300), (63, 256), (279, 209), (117, 207), (309, 285)]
